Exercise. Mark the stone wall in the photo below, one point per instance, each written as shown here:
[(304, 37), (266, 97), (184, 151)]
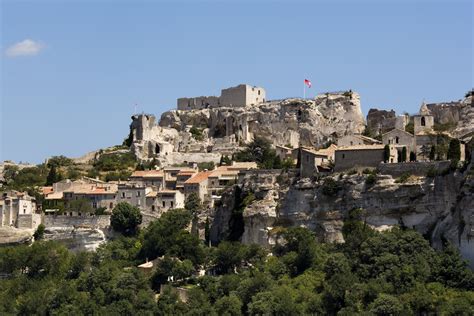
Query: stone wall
[(347, 159), (97, 221), (420, 168), (28, 221)]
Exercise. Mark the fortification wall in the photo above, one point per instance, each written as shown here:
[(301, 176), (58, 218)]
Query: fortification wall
[(420, 168), (97, 221)]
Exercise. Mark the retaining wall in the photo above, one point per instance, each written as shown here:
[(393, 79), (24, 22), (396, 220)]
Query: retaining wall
[(420, 168), (97, 221)]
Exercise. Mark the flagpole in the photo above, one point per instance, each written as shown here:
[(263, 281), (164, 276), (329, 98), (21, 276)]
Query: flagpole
[(304, 90)]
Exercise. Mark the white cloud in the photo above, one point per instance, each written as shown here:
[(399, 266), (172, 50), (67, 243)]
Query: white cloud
[(26, 47)]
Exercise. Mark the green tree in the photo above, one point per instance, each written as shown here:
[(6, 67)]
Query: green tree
[(260, 151), (192, 203), (404, 154), (386, 305), (412, 156), (39, 233), (386, 153), (125, 218), (454, 150), (433, 153), (229, 305), (53, 176), (82, 206)]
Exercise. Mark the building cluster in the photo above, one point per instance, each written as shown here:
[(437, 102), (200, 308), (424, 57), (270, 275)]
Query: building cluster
[(241, 95), (353, 151), (153, 191)]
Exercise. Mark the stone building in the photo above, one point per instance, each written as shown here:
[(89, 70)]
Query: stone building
[(356, 139), (239, 96), (313, 161), (14, 206), (424, 121), (148, 178), (198, 184), (164, 200), (133, 194), (362, 156), (400, 138)]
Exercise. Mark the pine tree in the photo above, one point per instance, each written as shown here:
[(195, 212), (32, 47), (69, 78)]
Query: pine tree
[(404, 154)]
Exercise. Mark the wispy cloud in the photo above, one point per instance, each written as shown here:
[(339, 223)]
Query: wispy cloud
[(26, 47)]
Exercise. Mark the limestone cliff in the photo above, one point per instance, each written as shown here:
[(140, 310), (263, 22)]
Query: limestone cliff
[(441, 207)]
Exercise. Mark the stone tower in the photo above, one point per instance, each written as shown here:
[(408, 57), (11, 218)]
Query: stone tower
[(424, 121)]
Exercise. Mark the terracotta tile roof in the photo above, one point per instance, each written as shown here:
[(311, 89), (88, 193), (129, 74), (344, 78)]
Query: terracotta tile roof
[(219, 173), (147, 174), (199, 177), (46, 190)]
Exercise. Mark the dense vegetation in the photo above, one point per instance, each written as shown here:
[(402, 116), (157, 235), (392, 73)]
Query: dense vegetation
[(389, 273), (261, 152)]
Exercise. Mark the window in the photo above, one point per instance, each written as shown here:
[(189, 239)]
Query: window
[(164, 204), (123, 195), (423, 121), (94, 204), (258, 92), (343, 156), (138, 194), (111, 205), (171, 203), (396, 139), (352, 143), (152, 208)]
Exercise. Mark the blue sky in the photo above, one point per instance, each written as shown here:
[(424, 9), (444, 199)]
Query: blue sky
[(70, 84)]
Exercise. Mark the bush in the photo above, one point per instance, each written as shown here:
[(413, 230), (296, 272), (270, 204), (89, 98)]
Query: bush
[(39, 233), (206, 165), (197, 133), (115, 161), (403, 178), (432, 172), (330, 187), (371, 179)]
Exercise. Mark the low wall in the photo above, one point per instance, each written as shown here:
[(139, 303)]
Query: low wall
[(97, 221), (28, 221), (420, 168)]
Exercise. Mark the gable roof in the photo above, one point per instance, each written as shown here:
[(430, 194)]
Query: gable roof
[(198, 178), (398, 130)]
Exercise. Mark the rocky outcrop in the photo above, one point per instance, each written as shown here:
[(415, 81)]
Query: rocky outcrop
[(77, 238), (381, 121), (441, 207), (223, 130)]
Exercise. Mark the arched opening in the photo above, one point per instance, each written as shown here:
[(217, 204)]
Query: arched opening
[(157, 149), (423, 121), (396, 139)]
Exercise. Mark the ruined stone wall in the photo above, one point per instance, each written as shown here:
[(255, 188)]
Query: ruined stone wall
[(97, 221), (347, 159)]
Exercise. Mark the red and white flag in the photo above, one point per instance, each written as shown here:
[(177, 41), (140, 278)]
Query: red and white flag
[(307, 82)]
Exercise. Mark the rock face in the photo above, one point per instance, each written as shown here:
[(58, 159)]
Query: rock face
[(76, 238), (440, 208), (223, 129), (381, 121)]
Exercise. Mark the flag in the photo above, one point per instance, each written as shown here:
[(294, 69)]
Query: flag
[(307, 82)]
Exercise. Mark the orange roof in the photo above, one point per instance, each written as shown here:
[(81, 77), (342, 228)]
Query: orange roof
[(46, 190), (199, 177), (147, 174)]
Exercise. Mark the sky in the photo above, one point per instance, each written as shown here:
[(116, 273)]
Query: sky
[(72, 72)]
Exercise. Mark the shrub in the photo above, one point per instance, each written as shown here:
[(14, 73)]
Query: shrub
[(330, 187), (197, 133), (432, 172), (371, 179), (39, 233), (403, 178)]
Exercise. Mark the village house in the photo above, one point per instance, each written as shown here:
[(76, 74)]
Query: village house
[(134, 194), (18, 209), (164, 200), (198, 184), (148, 178), (171, 176), (182, 177), (356, 139), (287, 153), (362, 156), (313, 161)]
